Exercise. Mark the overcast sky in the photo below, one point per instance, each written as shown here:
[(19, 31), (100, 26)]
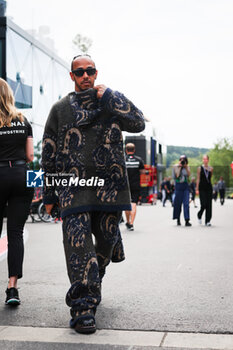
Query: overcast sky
[(172, 58)]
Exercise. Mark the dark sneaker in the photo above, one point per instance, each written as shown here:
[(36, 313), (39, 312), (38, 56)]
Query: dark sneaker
[(187, 223), (178, 222), (129, 226), (12, 297)]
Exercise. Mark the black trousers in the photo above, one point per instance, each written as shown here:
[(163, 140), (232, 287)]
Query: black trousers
[(206, 204), (222, 196), (215, 196), (86, 261), (17, 197)]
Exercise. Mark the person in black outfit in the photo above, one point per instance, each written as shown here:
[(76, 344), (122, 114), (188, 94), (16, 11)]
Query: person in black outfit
[(221, 189), (172, 191), (205, 190), (167, 187), (163, 191), (192, 188), (215, 191), (135, 167), (16, 149)]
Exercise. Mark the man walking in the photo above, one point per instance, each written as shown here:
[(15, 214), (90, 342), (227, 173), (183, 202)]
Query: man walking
[(83, 147), (215, 191), (135, 167), (221, 189)]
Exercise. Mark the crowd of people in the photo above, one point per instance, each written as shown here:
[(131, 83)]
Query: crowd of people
[(178, 189), (167, 191)]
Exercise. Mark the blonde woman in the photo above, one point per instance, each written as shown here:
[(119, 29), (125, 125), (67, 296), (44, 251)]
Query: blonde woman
[(16, 149)]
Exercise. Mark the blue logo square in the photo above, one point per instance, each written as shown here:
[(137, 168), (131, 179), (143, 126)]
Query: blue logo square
[(35, 178)]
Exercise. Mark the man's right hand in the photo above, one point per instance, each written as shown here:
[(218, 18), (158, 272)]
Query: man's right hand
[(100, 90), (49, 208)]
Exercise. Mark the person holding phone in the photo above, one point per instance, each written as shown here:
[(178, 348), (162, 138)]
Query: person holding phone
[(181, 173)]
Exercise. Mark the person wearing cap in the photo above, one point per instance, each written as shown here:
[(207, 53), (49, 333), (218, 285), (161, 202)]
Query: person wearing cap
[(180, 174), (83, 138)]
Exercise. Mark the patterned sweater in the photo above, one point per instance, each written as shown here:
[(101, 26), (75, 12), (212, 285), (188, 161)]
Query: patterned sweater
[(83, 140)]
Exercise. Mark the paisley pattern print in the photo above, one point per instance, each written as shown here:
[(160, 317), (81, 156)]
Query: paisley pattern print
[(71, 143), (85, 107), (109, 227), (110, 166), (118, 253), (83, 136), (113, 134), (84, 293), (87, 263), (78, 223), (130, 116), (49, 147)]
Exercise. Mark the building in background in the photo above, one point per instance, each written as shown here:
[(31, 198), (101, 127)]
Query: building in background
[(39, 77), (36, 74)]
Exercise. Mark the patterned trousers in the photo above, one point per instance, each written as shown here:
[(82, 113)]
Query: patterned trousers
[(86, 261)]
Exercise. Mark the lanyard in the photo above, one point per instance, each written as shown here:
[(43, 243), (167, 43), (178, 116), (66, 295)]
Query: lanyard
[(206, 171)]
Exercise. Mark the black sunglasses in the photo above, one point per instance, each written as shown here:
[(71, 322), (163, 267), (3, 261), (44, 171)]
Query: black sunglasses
[(80, 71)]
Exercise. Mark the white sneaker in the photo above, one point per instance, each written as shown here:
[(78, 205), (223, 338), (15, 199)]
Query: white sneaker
[(208, 224), (199, 221)]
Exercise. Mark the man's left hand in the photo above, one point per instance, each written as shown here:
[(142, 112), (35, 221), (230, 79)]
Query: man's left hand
[(100, 90)]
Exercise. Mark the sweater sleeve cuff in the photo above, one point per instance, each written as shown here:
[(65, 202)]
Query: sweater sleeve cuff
[(104, 99)]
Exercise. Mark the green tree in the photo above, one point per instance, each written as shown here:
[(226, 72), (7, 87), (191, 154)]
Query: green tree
[(221, 157), (174, 152)]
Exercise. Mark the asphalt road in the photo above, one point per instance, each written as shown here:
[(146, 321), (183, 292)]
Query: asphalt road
[(173, 279)]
